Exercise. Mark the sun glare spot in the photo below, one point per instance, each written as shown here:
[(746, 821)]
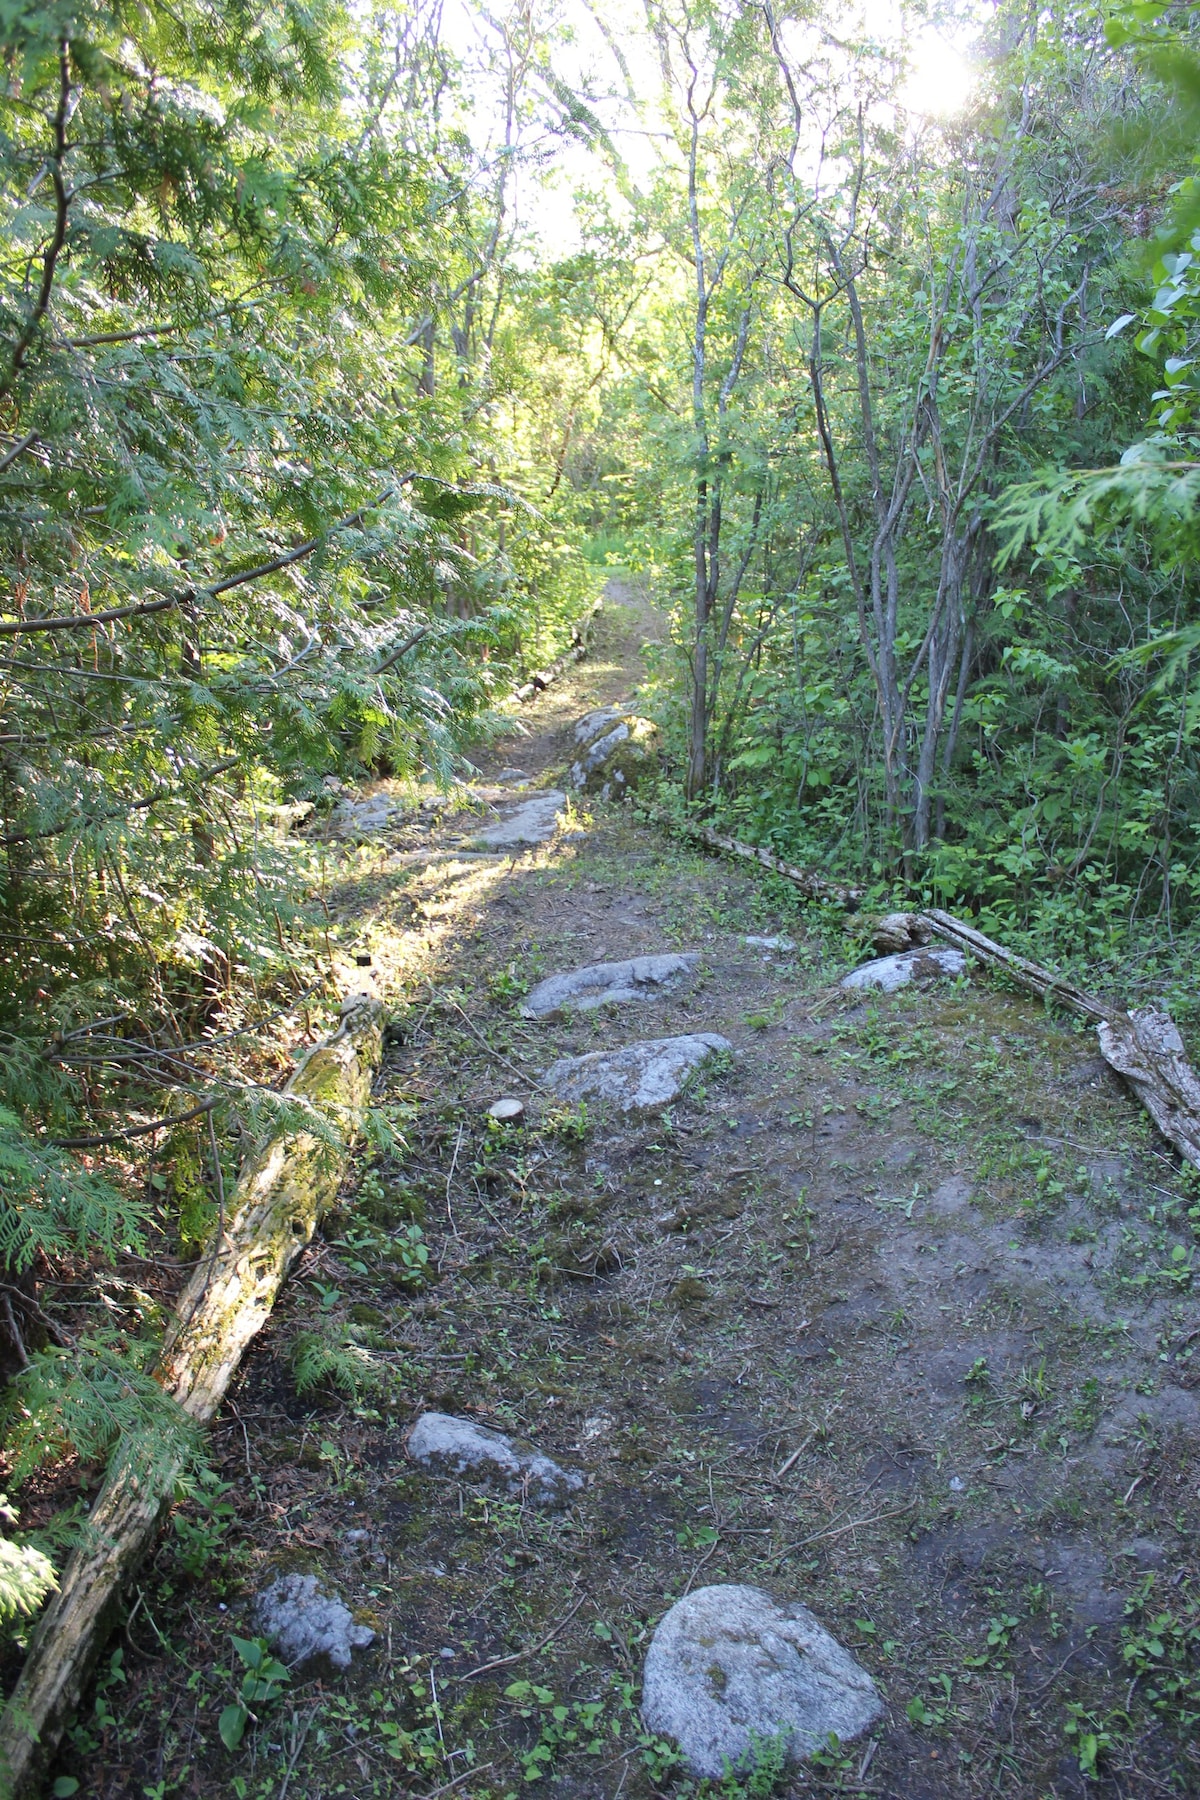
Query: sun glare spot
[(940, 79)]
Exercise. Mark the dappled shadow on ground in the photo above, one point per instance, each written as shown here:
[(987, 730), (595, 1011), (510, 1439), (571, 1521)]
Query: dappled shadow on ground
[(890, 1316)]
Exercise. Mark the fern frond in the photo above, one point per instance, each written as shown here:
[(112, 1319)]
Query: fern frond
[(317, 1357)]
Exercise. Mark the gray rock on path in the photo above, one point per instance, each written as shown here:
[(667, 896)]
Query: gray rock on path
[(892, 972), (533, 823), (451, 1446), (306, 1625), (613, 749), (601, 984), (770, 943), (728, 1666), (358, 819), (649, 1074)]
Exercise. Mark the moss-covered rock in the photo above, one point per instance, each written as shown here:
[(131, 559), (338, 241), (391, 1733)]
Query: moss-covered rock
[(613, 750)]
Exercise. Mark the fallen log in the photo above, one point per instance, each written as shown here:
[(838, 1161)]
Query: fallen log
[(280, 1196), (1029, 974), (809, 881), (1144, 1047), (581, 637)]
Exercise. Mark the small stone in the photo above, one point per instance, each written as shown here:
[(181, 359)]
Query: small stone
[(507, 1111), (447, 1445), (533, 823), (891, 972), (604, 984), (770, 943), (306, 1625), (649, 1074), (728, 1667)]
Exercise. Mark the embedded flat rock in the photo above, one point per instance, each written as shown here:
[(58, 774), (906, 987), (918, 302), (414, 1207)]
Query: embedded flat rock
[(892, 972), (601, 984), (358, 819), (531, 824), (451, 1446), (729, 1666), (306, 1625), (649, 1074)]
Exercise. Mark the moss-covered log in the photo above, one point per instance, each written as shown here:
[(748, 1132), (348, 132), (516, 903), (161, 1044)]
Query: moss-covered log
[(280, 1196)]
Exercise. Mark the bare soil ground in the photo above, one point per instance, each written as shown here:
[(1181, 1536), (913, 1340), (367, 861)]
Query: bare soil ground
[(892, 1316)]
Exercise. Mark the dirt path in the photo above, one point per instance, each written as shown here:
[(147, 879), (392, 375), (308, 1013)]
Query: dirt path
[(892, 1316), (610, 673)]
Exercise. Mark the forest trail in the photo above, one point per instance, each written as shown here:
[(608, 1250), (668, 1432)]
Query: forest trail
[(886, 1316)]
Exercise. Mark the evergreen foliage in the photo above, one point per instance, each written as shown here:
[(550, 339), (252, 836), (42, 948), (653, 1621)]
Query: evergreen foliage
[(26, 1573), (255, 334)]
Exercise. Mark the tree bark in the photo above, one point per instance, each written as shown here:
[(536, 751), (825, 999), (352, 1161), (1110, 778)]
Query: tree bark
[(280, 1196)]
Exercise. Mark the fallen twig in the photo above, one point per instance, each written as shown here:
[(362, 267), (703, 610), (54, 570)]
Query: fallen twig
[(504, 1662), (521, 1075), (794, 1457), (854, 1525)]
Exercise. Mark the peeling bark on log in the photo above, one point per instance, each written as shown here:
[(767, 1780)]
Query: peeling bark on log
[(1145, 1047), (280, 1196)]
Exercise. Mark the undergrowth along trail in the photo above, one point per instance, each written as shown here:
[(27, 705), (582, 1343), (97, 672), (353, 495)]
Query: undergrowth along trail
[(891, 1315)]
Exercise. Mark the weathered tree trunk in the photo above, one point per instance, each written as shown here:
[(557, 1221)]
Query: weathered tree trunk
[(280, 1196), (1147, 1050)]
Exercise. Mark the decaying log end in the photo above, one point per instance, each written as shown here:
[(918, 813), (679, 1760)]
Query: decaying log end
[(285, 1186), (1146, 1050)]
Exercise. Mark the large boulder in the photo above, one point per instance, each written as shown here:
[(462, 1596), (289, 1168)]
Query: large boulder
[(650, 1074), (729, 1669), (605, 984), (888, 973), (613, 750)]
